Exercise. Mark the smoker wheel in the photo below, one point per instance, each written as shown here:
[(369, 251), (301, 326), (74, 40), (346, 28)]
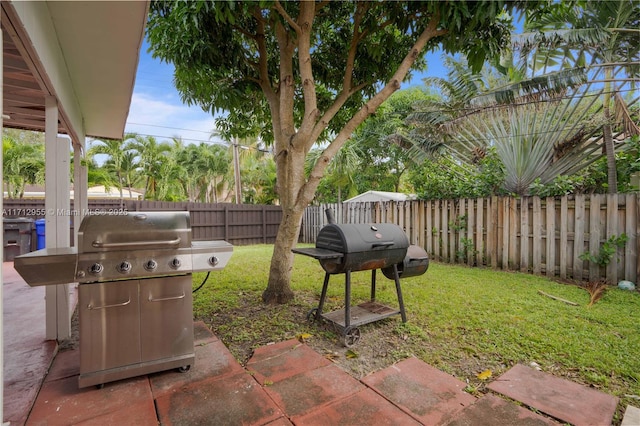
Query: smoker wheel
[(184, 368), (312, 316), (351, 336)]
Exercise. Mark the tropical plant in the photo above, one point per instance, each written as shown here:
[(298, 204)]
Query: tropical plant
[(210, 167), (339, 181), (608, 249), (537, 141), (115, 150), (384, 159), (258, 172), (129, 171), (603, 38), (22, 163), (152, 161), (445, 177)]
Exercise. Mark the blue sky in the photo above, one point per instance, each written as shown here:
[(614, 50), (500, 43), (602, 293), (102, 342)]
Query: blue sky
[(157, 110)]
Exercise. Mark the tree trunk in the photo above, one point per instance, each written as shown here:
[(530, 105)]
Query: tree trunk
[(612, 174), (278, 288), (607, 136), (292, 143)]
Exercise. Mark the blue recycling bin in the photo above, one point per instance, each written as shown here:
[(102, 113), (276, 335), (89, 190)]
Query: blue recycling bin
[(40, 238)]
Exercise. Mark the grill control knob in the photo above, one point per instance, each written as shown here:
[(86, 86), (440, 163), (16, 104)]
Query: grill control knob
[(124, 267), (150, 265), (175, 263), (95, 269), (213, 261)]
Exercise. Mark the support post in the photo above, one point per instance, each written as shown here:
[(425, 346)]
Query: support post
[(57, 209)]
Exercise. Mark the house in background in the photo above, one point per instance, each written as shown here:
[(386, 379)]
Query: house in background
[(94, 192)]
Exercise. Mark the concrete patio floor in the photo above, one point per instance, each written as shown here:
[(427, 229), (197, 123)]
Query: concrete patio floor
[(282, 384)]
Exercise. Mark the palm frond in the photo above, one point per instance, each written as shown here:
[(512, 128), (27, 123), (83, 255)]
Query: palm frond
[(541, 87), (623, 115), (554, 38)]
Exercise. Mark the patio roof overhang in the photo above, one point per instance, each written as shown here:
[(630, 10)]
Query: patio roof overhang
[(83, 53)]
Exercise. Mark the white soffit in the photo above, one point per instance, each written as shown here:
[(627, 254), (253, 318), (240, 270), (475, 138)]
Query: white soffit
[(100, 41)]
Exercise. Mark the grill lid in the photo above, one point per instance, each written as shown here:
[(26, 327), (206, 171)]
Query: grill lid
[(127, 246), (358, 247), (355, 238), (134, 230)]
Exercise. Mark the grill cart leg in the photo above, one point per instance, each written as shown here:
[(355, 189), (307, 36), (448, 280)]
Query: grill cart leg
[(347, 300), (373, 285), (316, 313), (396, 278)]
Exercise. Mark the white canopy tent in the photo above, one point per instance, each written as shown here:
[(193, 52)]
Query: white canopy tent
[(376, 196)]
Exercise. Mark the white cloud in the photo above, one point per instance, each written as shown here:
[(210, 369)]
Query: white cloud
[(164, 119)]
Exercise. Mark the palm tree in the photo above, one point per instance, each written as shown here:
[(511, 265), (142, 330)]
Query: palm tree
[(151, 156), (115, 150), (96, 174), (129, 171), (213, 165), (601, 36), (341, 172)]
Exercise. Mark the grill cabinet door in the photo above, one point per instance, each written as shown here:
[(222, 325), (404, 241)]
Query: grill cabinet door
[(109, 325), (166, 317)]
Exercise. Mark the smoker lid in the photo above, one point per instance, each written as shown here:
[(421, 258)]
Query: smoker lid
[(134, 230), (351, 238)]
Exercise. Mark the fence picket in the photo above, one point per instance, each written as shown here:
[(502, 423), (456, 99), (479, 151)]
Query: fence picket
[(612, 230), (631, 224), (524, 234), (595, 233), (536, 235), (550, 258), (480, 240), (578, 239)]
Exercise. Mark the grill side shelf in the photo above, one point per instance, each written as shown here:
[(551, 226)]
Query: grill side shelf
[(318, 253)]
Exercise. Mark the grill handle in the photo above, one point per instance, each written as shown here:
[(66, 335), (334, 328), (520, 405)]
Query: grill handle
[(182, 296), (383, 244), (137, 244), (415, 259), (91, 307)]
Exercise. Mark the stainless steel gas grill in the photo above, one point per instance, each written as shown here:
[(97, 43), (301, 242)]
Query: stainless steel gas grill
[(346, 248), (135, 292)]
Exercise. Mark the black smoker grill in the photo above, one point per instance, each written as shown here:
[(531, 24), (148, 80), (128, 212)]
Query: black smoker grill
[(135, 292), (346, 248)]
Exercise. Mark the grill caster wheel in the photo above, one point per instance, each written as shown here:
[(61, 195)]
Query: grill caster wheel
[(351, 336), (184, 368), (312, 316)]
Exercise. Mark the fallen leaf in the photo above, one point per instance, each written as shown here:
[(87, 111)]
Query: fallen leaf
[(303, 337), (331, 356), (351, 354), (484, 375), (268, 382)]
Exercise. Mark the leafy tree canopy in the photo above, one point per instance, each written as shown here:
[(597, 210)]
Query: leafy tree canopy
[(304, 72), (227, 53)]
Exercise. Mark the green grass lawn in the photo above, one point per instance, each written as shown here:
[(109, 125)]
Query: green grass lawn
[(461, 320)]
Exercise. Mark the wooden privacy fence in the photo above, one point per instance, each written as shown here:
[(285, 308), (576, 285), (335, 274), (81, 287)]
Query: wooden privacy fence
[(239, 224), (530, 234)]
